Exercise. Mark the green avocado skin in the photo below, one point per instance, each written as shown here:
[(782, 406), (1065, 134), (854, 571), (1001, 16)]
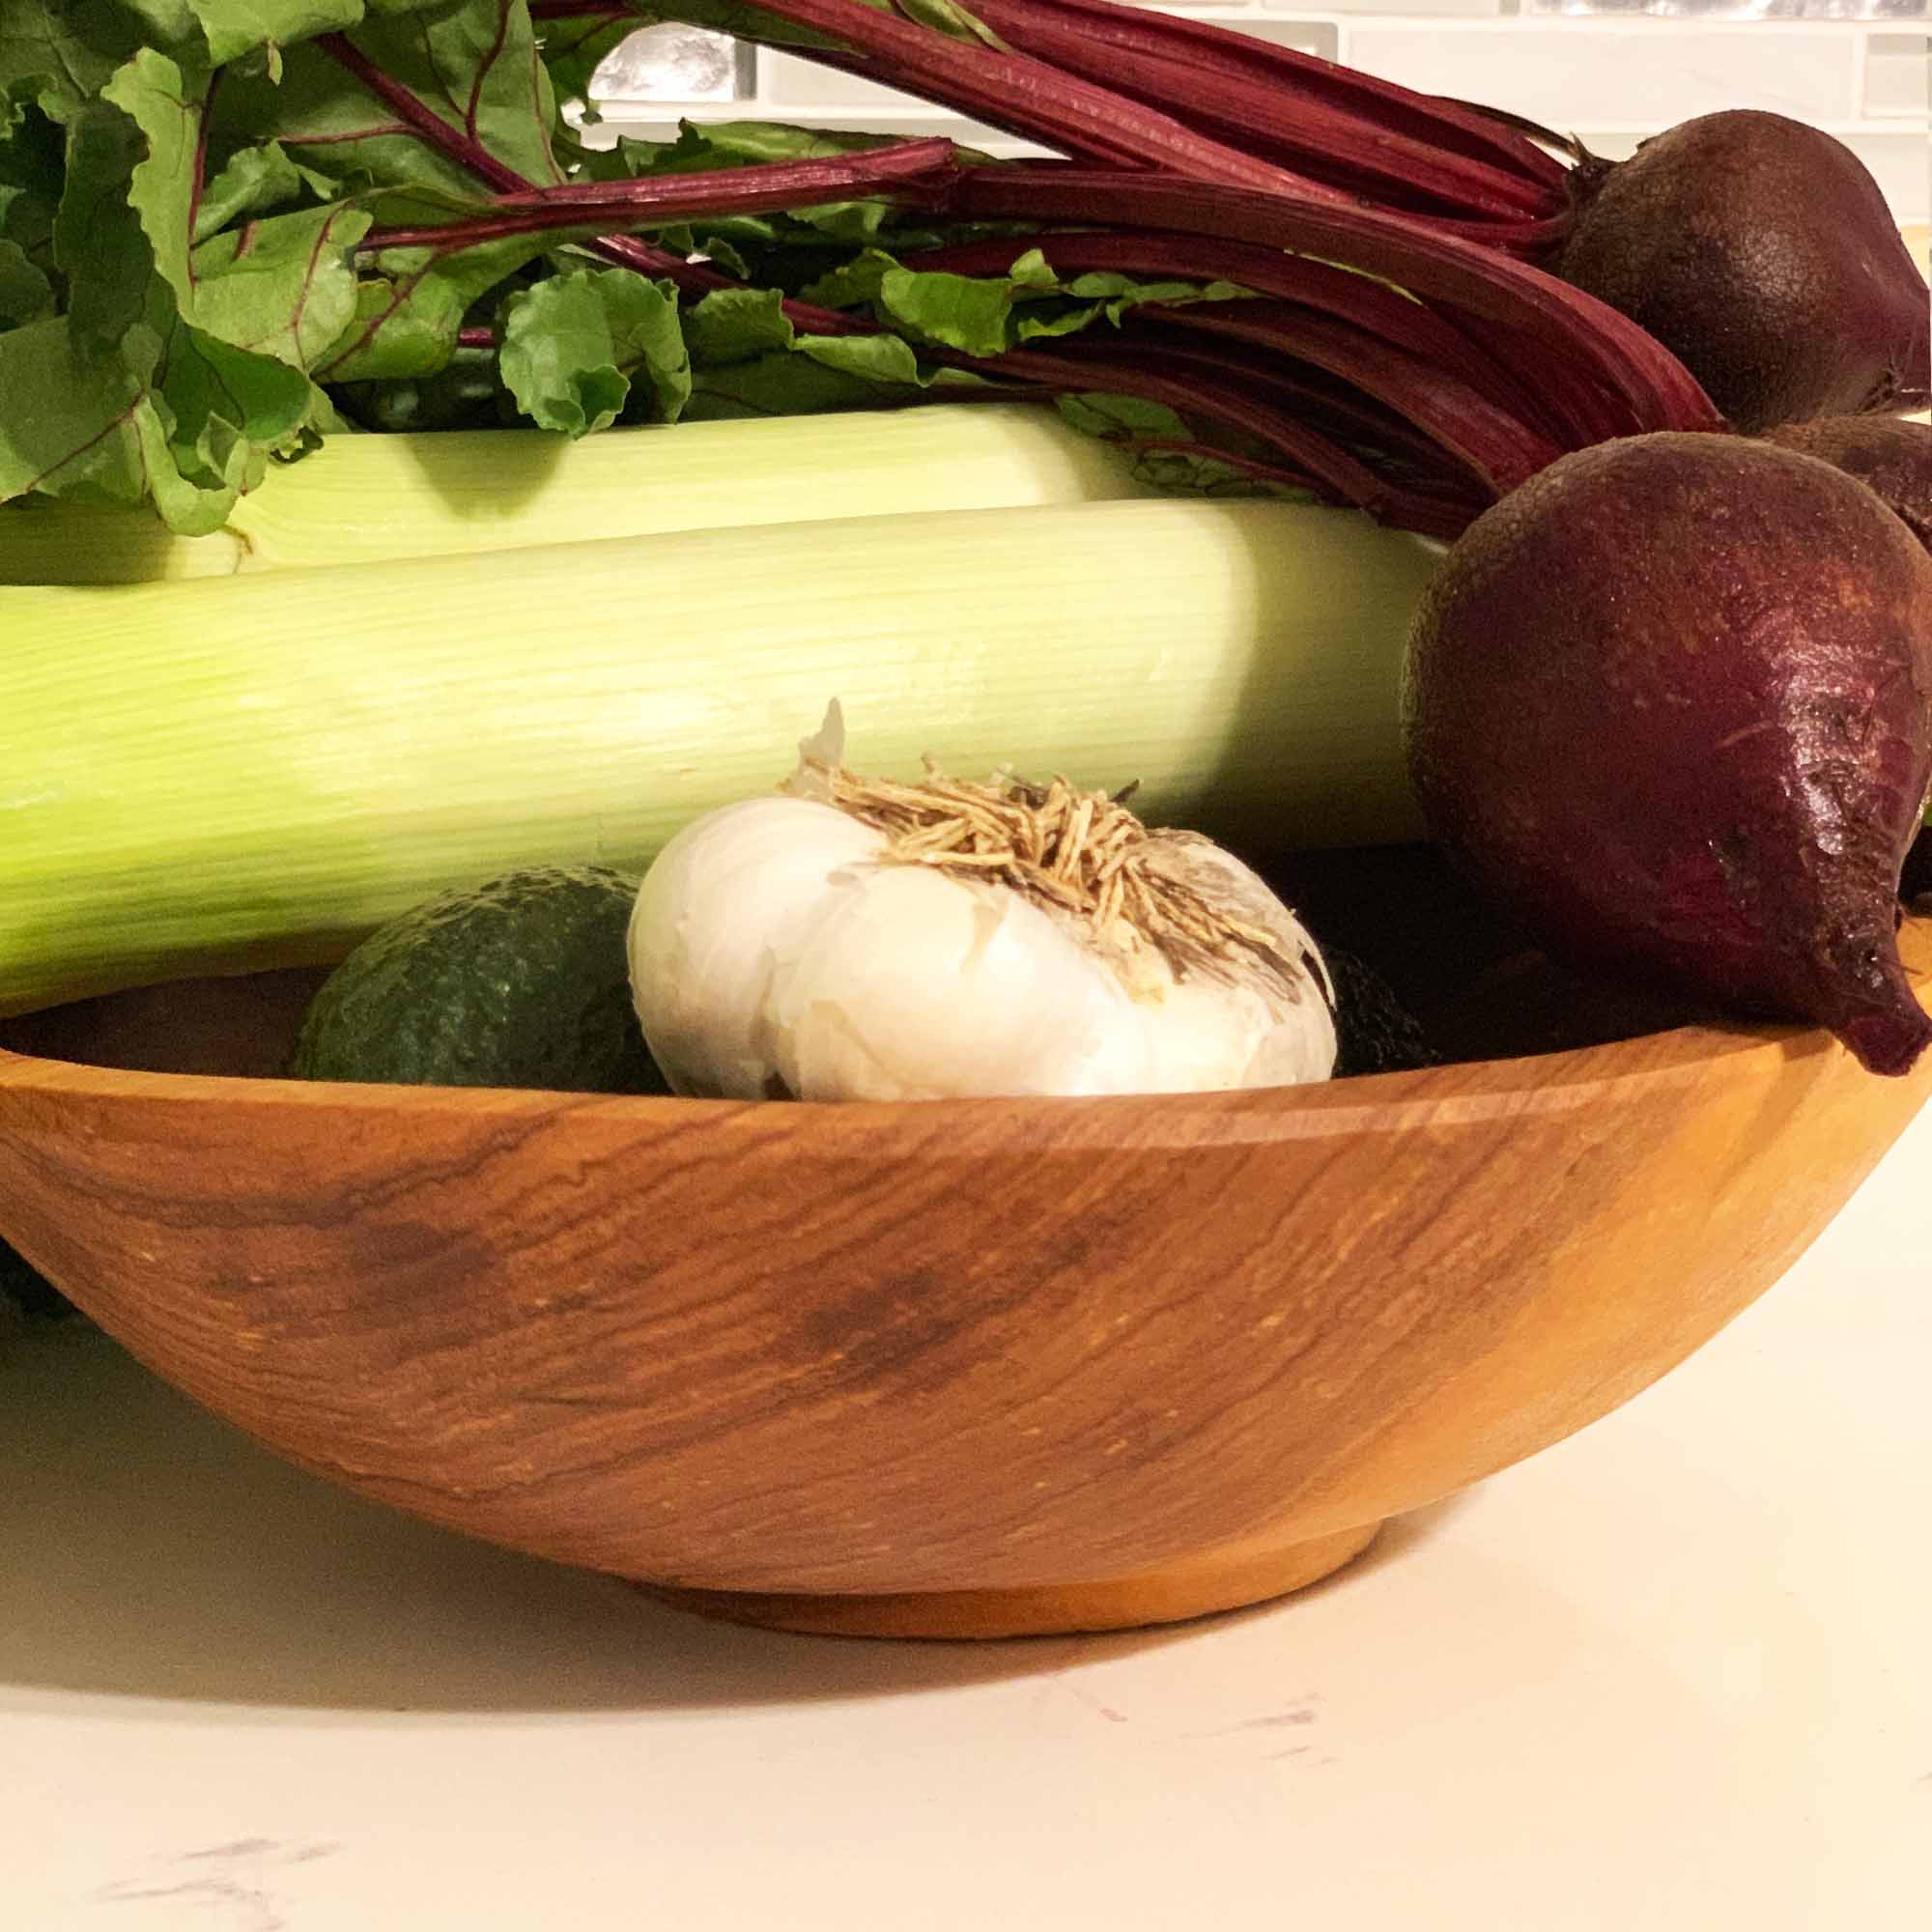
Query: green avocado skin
[(523, 982)]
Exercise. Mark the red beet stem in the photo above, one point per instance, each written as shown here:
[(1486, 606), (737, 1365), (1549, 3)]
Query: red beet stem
[(1208, 394), (1655, 390), (624, 251), (1396, 449), (915, 168), (1029, 97), (1384, 312), (1498, 447), (1259, 113), (1305, 79)]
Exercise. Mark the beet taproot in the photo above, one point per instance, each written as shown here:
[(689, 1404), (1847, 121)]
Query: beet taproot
[(1892, 455), (1670, 704), (1761, 253)]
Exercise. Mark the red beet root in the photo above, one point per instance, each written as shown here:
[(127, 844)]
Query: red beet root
[(1889, 454), (1670, 704), (1762, 253)]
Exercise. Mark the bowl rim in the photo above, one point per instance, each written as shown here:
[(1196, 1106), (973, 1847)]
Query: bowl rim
[(1461, 1093)]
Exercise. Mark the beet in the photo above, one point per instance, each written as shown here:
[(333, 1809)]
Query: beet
[(1762, 253), (1888, 454), (1670, 703)]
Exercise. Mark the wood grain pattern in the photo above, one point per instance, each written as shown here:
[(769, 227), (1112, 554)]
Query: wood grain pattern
[(1007, 1365)]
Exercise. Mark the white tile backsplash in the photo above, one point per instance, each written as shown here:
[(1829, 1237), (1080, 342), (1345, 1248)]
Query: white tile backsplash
[(785, 80), (1853, 67), (1320, 38), (1898, 70), (1573, 71), (1740, 9)]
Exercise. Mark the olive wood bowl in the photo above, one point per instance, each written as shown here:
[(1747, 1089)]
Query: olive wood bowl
[(963, 1369)]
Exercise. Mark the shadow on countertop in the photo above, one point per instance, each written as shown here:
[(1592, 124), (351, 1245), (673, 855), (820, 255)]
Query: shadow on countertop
[(150, 1551)]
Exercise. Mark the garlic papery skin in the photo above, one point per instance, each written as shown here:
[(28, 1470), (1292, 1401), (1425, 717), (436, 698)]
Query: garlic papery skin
[(842, 940), (731, 897)]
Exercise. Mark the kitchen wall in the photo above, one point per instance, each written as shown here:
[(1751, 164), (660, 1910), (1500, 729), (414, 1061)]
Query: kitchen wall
[(1608, 70)]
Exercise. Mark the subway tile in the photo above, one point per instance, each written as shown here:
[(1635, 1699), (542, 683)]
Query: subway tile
[(1320, 38), (1737, 9), (1649, 73), (1898, 70), (790, 80), (1412, 9)]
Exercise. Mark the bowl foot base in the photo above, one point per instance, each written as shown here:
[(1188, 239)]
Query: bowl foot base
[(1230, 1580)]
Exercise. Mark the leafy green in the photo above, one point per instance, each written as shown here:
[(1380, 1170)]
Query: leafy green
[(166, 109), (411, 303), (78, 435), (221, 412), (1187, 471), (736, 325), (574, 46), (235, 28), (987, 314), (286, 286), (473, 65), (25, 293), (66, 48), (98, 237), (211, 208), (576, 344), (32, 175), (256, 181)]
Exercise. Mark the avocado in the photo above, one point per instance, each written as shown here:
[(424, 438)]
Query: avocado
[(523, 982)]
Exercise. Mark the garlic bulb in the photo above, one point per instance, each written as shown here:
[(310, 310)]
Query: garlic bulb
[(845, 939)]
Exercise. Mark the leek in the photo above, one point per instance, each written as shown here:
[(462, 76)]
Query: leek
[(222, 775), (364, 498)]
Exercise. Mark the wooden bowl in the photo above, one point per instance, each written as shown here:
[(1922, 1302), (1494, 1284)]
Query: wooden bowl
[(952, 1370)]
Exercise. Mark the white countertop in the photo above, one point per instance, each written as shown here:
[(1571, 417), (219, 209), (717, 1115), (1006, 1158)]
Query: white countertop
[(1671, 1676)]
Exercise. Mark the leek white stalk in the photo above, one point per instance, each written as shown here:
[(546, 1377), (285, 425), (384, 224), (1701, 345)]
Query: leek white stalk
[(213, 777), (849, 940), (364, 498)]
